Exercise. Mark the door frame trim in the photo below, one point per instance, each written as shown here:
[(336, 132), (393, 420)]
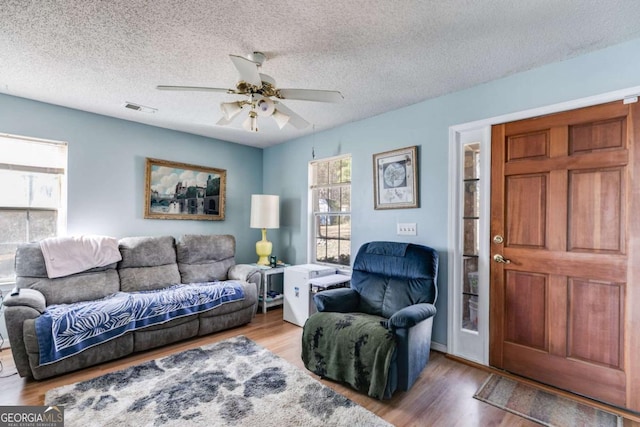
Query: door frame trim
[(454, 264)]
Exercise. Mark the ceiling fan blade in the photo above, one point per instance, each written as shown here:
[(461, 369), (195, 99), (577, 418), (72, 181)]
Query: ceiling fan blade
[(311, 95), (294, 119), (247, 69), (196, 88)]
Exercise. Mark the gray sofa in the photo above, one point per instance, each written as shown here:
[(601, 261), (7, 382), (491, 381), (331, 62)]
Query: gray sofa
[(147, 263)]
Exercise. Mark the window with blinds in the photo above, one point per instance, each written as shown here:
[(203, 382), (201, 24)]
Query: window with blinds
[(33, 202), (330, 193)]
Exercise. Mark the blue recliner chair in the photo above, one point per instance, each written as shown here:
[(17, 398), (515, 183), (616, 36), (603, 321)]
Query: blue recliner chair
[(376, 335)]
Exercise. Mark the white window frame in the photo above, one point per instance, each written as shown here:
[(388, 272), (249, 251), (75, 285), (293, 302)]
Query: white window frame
[(312, 214)]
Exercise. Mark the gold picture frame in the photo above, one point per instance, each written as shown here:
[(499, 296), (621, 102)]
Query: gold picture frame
[(395, 179), (182, 191)]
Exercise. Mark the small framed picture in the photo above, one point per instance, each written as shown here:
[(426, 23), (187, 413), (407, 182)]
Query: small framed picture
[(181, 191), (395, 179)]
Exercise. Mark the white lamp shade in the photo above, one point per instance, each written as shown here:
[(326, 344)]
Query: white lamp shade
[(251, 123), (265, 107), (265, 211), (280, 118), (231, 109)]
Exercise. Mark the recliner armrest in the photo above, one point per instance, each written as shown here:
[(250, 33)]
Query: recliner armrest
[(242, 272), (27, 297), (341, 300), (410, 316)]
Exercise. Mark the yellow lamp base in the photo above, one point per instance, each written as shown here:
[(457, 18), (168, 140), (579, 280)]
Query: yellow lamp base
[(263, 249)]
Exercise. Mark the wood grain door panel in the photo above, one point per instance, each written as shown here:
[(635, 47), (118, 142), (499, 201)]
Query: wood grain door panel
[(529, 227), (600, 135), (528, 146), (596, 204), (596, 320), (526, 309)]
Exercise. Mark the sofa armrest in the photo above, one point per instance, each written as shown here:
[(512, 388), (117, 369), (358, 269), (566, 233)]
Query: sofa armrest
[(243, 272), (410, 316), (27, 297), (28, 304), (340, 300)]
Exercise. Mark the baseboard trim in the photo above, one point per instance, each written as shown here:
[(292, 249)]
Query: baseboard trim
[(438, 347)]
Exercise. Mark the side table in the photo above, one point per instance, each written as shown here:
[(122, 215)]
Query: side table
[(266, 274)]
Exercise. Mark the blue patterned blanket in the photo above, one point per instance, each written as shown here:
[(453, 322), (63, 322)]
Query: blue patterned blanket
[(67, 329)]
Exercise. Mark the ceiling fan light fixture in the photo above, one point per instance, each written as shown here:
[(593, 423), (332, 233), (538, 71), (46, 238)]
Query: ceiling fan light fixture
[(260, 96), (265, 107), (251, 122), (231, 109), (280, 118)]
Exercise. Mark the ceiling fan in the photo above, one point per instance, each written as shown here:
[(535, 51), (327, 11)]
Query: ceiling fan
[(262, 96)]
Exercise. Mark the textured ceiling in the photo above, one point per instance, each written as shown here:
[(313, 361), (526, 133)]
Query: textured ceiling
[(96, 55)]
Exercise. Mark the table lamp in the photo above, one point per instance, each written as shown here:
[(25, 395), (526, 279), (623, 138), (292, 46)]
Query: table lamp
[(265, 213)]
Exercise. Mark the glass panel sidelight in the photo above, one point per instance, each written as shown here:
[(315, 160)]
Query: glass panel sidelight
[(470, 235), (468, 230)]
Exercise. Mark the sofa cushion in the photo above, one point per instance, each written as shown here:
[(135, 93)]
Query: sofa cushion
[(116, 348), (30, 262), (68, 329), (250, 300), (147, 263), (175, 330), (205, 258), (85, 286)]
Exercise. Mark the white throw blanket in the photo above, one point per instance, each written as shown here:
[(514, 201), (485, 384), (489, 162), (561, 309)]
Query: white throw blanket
[(68, 255)]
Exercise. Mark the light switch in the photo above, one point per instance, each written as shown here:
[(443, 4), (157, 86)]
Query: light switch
[(407, 229)]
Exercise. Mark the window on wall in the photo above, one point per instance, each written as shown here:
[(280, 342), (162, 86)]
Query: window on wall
[(33, 202), (330, 193)]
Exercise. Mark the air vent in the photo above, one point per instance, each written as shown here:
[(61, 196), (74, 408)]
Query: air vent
[(141, 108)]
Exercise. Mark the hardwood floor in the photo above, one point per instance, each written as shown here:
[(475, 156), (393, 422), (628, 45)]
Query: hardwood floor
[(442, 396)]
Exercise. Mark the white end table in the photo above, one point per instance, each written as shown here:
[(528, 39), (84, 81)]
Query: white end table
[(266, 274)]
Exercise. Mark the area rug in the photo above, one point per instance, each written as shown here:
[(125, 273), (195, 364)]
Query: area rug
[(540, 406), (230, 383)]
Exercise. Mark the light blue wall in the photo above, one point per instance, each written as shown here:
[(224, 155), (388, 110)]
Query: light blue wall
[(107, 164), (427, 125)]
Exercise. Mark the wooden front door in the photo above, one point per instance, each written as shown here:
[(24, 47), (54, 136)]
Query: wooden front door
[(565, 200)]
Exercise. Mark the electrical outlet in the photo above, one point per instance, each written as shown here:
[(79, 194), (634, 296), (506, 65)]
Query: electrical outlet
[(407, 229)]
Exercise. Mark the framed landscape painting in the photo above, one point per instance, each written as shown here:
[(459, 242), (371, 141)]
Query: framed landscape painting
[(395, 179), (182, 191)]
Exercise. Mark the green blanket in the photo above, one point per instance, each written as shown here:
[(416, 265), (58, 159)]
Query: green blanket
[(349, 347)]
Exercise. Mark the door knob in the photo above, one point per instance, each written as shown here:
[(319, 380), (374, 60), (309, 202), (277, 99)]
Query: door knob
[(502, 260)]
